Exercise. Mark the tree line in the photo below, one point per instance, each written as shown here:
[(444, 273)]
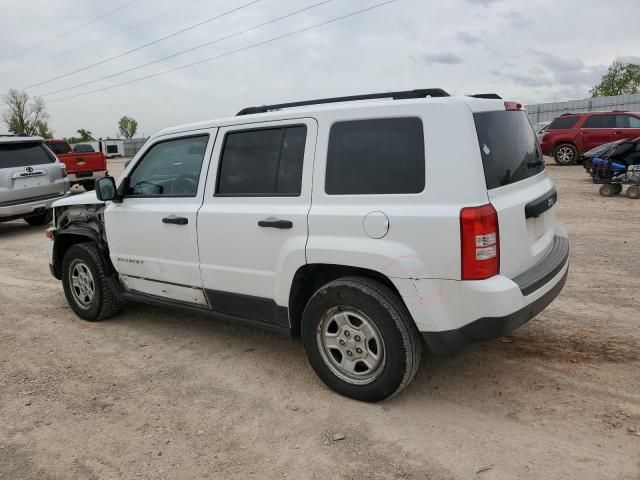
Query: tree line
[(28, 115)]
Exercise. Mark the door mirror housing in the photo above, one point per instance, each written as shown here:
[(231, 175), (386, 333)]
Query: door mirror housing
[(106, 189)]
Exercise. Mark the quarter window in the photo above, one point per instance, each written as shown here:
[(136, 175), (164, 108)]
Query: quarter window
[(265, 162), (170, 168), (382, 156), (627, 121)]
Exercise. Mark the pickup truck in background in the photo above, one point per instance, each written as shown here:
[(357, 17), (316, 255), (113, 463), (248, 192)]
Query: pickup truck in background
[(82, 167)]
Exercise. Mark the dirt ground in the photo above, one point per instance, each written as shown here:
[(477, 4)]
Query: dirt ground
[(163, 395)]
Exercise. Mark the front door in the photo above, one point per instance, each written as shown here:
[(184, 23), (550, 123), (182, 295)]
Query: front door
[(152, 233), (252, 227)]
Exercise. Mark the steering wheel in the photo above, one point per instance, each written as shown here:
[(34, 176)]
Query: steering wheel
[(185, 185)]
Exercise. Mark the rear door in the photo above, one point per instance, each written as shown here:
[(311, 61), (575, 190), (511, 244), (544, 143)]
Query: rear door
[(598, 130), (252, 227), (28, 171), (515, 177)]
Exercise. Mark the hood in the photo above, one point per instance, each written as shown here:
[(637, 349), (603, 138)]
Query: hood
[(80, 199)]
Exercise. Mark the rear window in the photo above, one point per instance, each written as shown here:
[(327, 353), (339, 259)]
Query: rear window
[(23, 155), (509, 148), (58, 147), (563, 122), (83, 149), (382, 156), (600, 121)]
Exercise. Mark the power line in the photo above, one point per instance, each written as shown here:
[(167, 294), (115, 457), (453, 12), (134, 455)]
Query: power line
[(197, 47), (87, 67), (85, 45), (104, 15), (271, 40)]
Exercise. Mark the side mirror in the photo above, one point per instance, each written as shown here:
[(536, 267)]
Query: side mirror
[(106, 189)]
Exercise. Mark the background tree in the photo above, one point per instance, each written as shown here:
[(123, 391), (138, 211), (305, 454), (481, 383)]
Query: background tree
[(128, 127), (23, 113), (43, 130), (622, 78), (85, 135)]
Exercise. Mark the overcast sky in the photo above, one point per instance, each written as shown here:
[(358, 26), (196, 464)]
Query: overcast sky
[(532, 51)]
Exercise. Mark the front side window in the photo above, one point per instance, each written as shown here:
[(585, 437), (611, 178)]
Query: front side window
[(600, 121), (266, 162), (381, 156), (169, 168)]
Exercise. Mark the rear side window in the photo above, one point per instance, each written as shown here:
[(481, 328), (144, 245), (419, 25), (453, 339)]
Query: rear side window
[(509, 148), (563, 122), (58, 147), (23, 155), (266, 162), (600, 121), (382, 156)]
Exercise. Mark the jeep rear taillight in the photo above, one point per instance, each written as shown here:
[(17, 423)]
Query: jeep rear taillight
[(480, 242)]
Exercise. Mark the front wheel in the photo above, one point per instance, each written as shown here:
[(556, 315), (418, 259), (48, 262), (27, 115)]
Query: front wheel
[(360, 339), (85, 283), (633, 191), (565, 154)]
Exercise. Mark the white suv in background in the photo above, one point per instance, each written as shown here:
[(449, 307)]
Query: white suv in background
[(371, 226)]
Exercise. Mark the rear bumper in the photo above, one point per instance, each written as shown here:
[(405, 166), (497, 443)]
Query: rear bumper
[(450, 313), (28, 207), (85, 176)]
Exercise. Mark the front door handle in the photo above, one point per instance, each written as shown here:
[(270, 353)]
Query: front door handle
[(175, 220), (275, 223)]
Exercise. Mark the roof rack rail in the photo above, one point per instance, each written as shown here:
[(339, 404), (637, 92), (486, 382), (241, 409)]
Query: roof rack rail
[(421, 93), (493, 96)]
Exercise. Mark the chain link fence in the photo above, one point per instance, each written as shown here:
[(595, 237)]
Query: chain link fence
[(132, 145)]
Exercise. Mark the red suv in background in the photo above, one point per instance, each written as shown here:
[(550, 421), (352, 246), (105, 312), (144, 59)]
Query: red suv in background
[(569, 136)]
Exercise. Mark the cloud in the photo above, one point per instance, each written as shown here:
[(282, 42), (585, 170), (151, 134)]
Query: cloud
[(484, 3), (469, 38), (516, 19), (572, 72), (531, 80), (440, 58)]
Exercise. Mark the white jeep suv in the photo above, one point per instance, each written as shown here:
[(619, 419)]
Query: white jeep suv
[(372, 226)]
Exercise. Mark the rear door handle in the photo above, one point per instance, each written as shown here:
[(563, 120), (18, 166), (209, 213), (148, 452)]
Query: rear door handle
[(275, 223), (175, 220)]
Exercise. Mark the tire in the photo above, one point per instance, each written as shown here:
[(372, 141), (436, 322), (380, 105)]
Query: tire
[(607, 190), (633, 191), (565, 154), (41, 219), (88, 185), (618, 188), (90, 295), (375, 326)]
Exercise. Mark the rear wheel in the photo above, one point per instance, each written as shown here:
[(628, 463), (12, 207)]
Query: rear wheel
[(360, 339), (40, 219), (85, 283), (88, 185), (633, 191), (607, 190), (565, 154)]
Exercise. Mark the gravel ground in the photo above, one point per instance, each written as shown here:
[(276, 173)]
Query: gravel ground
[(158, 394)]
